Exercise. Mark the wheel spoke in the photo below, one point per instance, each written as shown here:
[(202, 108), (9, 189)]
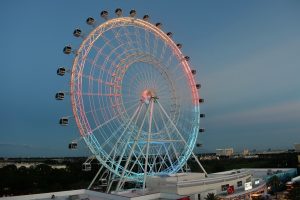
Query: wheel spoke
[(132, 134), (132, 149), (148, 141), (198, 162)]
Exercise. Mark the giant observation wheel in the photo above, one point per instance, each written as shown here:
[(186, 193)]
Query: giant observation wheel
[(134, 97)]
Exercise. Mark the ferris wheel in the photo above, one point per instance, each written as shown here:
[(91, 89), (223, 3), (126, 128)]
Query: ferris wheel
[(134, 97)]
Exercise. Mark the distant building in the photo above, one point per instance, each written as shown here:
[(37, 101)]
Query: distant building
[(297, 147), (32, 164), (246, 152), (224, 152)]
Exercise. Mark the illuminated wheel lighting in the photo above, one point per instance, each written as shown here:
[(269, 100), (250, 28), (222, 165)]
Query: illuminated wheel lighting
[(134, 97)]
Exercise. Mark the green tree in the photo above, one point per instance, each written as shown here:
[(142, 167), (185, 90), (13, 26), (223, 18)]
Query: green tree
[(211, 196), (274, 182), (295, 192)]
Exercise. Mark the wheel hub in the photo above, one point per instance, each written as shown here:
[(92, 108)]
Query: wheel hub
[(147, 95)]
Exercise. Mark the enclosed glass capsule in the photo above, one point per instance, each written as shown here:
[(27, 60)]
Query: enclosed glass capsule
[(132, 13), (59, 96), (90, 21), (77, 32), (104, 14), (179, 45), (64, 121), (202, 115), (118, 12), (193, 71), (146, 17), (187, 58), (103, 182), (61, 71), (170, 34), (67, 49), (201, 130), (73, 145), (201, 100), (198, 86), (158, 25), (199, 145), (86, 167)]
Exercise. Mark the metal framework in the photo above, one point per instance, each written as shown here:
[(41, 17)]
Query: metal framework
[(134, 99)]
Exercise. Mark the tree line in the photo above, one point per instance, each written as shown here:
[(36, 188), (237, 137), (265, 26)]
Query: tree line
[(43, 178)]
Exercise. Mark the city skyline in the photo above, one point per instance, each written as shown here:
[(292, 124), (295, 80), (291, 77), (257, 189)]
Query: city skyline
[(246, 55)]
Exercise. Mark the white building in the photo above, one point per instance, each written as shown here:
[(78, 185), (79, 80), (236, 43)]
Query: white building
[(194, 186), (224, 152), (297, 147)]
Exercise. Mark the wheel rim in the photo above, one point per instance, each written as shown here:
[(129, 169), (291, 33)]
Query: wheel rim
[(109, 80)]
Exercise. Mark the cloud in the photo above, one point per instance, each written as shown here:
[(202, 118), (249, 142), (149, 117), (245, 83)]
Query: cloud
[(274, 126), (269, 75), (24, 150), (287, 112)]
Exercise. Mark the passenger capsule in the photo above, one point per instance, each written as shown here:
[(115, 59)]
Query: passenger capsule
[(198, 86), (179, 46), (90, 21), (59, 96), (199, 145), (86, 167), (201, 130), (103, 182), (132, 13), (104, 14), (202, 115), (64, 121), (77, 32), (201, 100), (158, 25), (187, 58), (193, 71), (67, 49), (118, 12), (170, 34), (61, 71), (146, 17), (73, 145)]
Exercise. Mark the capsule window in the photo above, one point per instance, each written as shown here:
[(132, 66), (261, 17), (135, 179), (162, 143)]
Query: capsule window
[(104, 14), (59, 96), (61, 71), (103, 182), (77, 32), (158, 25), (199, 145), (170, 34), (118, 12), (86, 167), (64, 121), (132, 13), (90, 21), (67, 49), (73, 145), (201, 130), (146, 17)]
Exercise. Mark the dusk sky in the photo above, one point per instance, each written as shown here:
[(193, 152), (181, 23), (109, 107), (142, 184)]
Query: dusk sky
[(247, 56)]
